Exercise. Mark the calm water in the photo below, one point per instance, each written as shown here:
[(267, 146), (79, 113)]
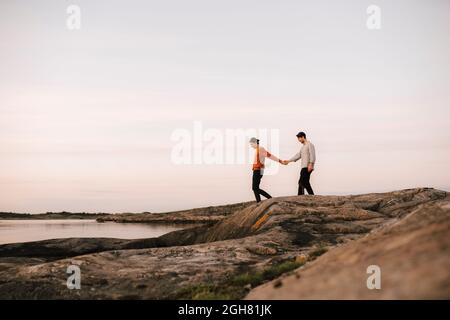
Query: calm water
[(33, 230)]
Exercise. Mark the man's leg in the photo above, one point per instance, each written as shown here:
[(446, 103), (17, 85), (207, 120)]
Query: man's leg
[(262, 192), (304, 180), (265, 194), (255, 184), (301, 189)]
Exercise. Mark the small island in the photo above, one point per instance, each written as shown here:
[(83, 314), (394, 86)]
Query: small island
[(50, 215)]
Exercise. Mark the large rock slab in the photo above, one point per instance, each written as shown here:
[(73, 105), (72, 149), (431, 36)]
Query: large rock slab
[(413, 255), (250, 246)]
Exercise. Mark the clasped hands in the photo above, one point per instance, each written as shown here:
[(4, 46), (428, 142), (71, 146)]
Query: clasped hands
[(310, 165)]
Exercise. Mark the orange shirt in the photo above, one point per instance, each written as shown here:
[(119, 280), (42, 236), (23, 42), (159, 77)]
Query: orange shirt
[(260, 157)]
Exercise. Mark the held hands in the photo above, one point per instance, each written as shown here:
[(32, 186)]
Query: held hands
[(310, 165)]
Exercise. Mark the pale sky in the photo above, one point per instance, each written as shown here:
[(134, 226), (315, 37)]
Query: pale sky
[(86, 115)]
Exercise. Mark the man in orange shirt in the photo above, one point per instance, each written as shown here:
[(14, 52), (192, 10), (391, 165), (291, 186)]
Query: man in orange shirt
[(258, 168)]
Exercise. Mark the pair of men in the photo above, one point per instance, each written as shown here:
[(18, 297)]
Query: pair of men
[(307, 154)]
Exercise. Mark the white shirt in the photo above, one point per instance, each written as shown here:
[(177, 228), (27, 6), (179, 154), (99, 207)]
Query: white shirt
[(307, 153)]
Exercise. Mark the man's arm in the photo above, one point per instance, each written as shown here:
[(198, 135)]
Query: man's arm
[(312, 157), (296, 157), (272, 157), (312, 153)]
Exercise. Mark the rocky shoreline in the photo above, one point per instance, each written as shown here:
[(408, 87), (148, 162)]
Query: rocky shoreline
[(208, 215), (51, 215), (287, 248)]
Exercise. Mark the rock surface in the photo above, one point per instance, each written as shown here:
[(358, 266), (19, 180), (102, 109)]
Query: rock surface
[(413, 255), (198, 215), (402, 232)]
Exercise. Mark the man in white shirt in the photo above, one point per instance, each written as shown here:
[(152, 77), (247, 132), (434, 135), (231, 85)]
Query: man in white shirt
[(307, 155)]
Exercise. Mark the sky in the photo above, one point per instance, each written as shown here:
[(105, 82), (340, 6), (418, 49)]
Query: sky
[(87, 116)]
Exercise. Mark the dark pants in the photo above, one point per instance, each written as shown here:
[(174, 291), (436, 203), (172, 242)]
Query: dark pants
[(303, 183), (255, 186)]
